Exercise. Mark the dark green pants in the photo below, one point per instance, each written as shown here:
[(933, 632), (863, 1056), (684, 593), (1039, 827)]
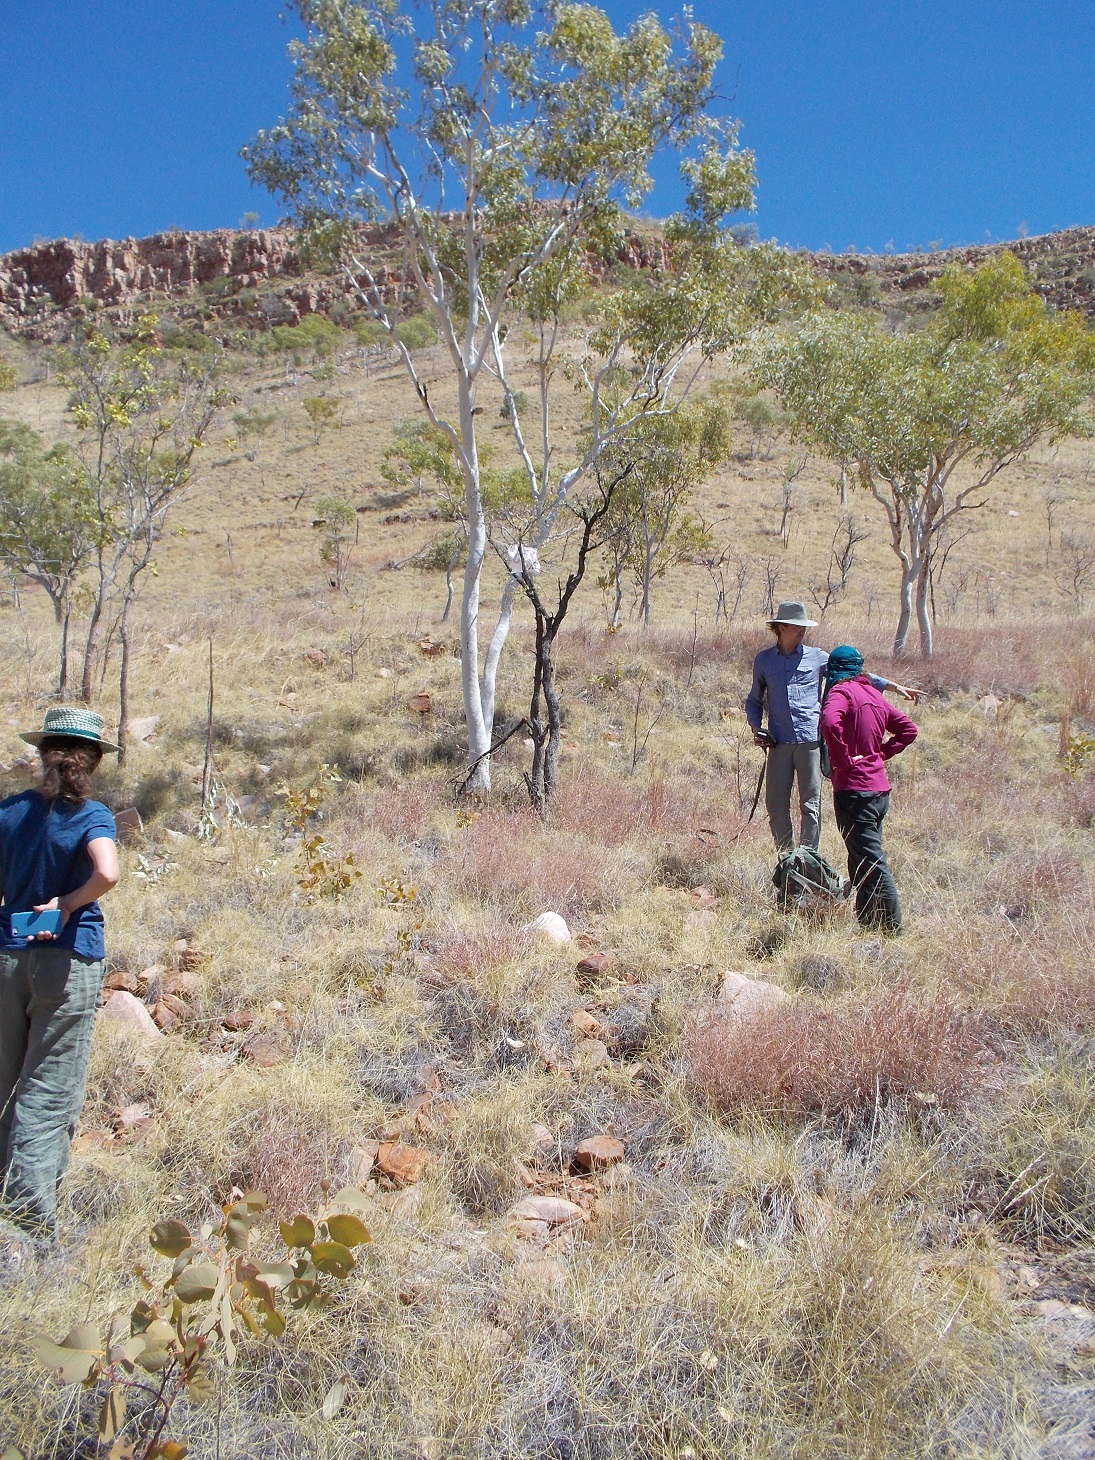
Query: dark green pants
[(48, 1002)]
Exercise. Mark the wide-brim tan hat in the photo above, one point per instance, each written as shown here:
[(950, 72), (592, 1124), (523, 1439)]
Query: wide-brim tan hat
[(74, 723), (793, 613)]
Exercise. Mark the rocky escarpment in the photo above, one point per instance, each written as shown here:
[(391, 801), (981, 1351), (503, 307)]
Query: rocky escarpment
[(259, 277), (1061, 266)]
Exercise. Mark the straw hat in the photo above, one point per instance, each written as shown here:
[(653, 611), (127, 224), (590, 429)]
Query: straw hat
[(793, 613), (74, 723)]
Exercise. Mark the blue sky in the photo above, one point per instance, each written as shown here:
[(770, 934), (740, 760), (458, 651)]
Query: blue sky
[(875, 122)]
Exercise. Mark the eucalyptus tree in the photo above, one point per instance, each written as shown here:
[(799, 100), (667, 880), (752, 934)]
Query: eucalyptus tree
[(141, 418), (654, 528), (491, 146), (928, 419), (47, 521)]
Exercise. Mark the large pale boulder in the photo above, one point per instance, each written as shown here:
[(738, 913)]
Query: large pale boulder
[(747, 996), (551, 926), (128, 1014)]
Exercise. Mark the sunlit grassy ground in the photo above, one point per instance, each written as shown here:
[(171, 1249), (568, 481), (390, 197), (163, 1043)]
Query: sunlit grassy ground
[(772, 1270)]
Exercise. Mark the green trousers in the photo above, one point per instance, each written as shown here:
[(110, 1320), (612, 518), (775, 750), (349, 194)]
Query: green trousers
[(48, 1002)]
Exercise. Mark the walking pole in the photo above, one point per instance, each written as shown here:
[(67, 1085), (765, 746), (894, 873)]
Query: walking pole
[(760, 786)]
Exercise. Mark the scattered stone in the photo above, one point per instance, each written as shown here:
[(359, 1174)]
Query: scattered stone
[(542, 1217), (265, 1050), (598, 1153), (594, 964), (317, 658), (361, 1162), (552, 926), (238, 1020), (421, 703), (179, 1007), (183, 983), (128, 825), (144, 729), (431, 647), (191, 958), (166, 1018), (383, 674), (702, 917), (180, 838), (542, 1142), (129, 1014), (703, 897), (746, 996), (401, 1164), (590, 1055), (120, 979), (586, 1024)]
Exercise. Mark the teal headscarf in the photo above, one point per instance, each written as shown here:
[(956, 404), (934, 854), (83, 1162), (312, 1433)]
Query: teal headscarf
[(844, 663)]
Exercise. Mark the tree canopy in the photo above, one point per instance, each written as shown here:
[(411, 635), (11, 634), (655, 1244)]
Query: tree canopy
[(498, 143), (928, 418)]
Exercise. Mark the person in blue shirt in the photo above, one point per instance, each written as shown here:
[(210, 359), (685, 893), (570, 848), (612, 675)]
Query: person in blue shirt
[(788, 680), (57, 852)]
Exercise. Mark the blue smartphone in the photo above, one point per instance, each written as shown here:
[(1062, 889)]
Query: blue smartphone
[(30, 924)]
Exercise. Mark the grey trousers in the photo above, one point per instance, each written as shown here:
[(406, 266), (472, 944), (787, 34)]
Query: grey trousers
[(786, 764), (48, 1002)]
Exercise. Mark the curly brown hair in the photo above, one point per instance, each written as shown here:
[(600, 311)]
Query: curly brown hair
[(67, 767)]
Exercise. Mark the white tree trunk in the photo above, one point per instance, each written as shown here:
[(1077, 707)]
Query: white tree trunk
[(904, 617)]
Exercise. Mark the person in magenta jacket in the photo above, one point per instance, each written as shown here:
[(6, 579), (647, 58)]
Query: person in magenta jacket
[(862, 731)]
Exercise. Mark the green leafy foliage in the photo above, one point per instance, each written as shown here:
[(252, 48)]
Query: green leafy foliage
[(253, 426), (337, 521), (928, 418), (185, 1332), (320, 872), (8, 375), (322, 411), (650, 525), (314, 338)]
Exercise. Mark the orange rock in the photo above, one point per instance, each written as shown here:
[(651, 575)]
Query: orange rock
[(594, 964), (265, 1050), (420, 703), (703, 897), (585, 1023), (165, 1017), (401, 1164), (184, 984), (598, 1153), (119, 979), (179, 1007)]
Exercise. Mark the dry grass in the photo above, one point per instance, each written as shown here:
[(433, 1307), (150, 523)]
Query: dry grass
[(844, 1060), (792, 1273)]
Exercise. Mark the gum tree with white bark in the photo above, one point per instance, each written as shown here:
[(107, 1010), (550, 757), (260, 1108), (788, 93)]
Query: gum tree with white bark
[(489, 147)]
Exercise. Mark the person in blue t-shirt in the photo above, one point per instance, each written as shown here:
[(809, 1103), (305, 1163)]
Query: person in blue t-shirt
[(57, 852), (789, 678)]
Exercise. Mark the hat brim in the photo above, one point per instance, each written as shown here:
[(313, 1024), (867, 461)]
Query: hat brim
[(35, 738), (794, 623)]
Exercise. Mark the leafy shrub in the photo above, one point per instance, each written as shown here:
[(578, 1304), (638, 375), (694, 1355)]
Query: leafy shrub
[(417, 333), (516, 401), (215, 1297)]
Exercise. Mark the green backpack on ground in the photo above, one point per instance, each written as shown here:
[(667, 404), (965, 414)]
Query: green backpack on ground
[(805, 880)]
